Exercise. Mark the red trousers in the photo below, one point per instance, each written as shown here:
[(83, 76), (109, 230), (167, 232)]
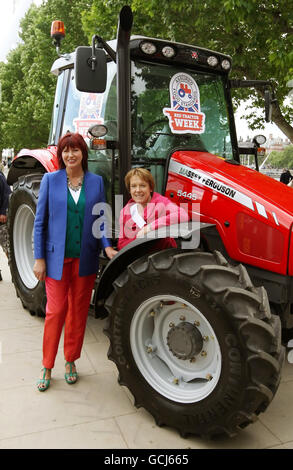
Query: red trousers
[(68, 302)]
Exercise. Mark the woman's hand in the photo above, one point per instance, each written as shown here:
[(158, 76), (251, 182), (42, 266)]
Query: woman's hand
[(3, 218), (143, 231), (110, 252), (39, 269)]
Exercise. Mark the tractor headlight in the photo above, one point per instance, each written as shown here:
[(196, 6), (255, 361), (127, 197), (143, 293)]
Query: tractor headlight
[(225, 64), (212, 61), (259, 139), (168, 52), (148, 47)]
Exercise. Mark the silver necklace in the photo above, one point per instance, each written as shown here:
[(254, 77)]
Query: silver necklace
[(75, 187)]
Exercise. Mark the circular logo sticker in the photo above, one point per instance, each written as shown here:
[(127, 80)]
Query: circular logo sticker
[(184, 91)]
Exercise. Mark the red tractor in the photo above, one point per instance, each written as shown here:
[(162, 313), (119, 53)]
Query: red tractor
[(195, 331)]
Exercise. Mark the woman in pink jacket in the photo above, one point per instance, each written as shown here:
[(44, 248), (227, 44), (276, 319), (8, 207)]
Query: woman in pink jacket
[(146, 210)]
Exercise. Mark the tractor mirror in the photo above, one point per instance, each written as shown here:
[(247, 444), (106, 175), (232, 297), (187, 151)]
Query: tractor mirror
[(268, 106), (90, 69)]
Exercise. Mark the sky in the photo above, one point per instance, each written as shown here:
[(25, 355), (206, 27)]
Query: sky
[(244, 132), (11, 12)]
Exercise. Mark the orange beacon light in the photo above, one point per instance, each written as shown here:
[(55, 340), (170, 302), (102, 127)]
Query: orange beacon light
[(57, 31)]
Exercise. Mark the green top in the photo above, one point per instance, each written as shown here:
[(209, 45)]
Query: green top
[(75, 216)]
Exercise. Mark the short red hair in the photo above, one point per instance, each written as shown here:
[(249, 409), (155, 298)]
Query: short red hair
[(71, 140)]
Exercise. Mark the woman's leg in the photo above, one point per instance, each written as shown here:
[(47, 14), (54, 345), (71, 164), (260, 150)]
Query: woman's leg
[(56, 310), (79, 297)]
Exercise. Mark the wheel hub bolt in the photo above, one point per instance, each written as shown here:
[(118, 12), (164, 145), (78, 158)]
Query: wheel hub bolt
[(205, 338), (176, 381), (152, 313), (182, 318), (203, 353), (193, 359), (171, 325), (196, 323), (209, 377)]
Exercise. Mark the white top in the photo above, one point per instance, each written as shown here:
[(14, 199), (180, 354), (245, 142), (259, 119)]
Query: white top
[(136, 217), (75, 194)]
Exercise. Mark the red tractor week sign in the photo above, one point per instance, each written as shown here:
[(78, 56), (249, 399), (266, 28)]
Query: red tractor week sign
[(184, 115)]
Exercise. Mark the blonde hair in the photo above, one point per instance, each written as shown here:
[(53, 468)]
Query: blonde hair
[(143, 174)]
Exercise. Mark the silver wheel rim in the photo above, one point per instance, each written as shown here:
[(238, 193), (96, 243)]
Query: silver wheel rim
[(184, 380), (23, 245)]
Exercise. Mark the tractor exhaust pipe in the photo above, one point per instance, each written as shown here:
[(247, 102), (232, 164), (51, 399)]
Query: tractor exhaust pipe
[(123, 95)]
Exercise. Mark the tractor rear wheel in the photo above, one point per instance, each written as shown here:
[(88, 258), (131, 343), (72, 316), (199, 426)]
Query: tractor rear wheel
[(194, 341), (21, 217)]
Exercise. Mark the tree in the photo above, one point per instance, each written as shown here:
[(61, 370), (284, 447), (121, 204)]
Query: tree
[(258, 36), (27, 85), (283, 159)]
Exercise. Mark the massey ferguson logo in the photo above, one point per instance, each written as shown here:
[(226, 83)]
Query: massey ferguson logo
[(184, 115)]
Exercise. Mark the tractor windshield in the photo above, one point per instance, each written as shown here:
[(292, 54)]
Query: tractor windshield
[(172, 109)]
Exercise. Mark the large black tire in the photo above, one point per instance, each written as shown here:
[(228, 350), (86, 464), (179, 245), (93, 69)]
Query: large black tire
[(194, 341), (21, 216)]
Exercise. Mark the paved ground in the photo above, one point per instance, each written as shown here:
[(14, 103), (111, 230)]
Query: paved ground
[(97, 412)]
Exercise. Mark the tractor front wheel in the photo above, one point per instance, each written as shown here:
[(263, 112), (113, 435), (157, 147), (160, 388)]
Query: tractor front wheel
[(194, 341)]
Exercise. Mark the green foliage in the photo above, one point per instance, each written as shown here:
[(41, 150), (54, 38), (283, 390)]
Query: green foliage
[(283, 159), (257, 35), (28, 87)]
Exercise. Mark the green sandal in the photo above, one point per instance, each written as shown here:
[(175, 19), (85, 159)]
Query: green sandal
[(70, 375), (43, 381)]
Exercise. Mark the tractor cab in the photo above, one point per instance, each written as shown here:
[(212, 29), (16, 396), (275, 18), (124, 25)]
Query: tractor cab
[(179, 100)]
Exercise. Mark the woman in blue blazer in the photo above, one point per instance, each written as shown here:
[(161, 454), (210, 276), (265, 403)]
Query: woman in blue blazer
[(66, 251)]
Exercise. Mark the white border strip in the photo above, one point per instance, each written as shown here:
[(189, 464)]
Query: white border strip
[(212, 183), (261, 210)]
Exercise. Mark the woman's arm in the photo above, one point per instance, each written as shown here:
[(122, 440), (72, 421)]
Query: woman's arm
[(103, 223), (168, 214), (41, 219), (128, 228)]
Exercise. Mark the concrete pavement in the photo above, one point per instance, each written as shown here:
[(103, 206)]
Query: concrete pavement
[(97, 413)]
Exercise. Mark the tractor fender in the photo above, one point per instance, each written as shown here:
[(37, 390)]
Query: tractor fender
[(189, 233), (33, 161)]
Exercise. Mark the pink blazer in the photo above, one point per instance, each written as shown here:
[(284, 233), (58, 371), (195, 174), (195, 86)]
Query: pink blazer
[(159, 212)]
